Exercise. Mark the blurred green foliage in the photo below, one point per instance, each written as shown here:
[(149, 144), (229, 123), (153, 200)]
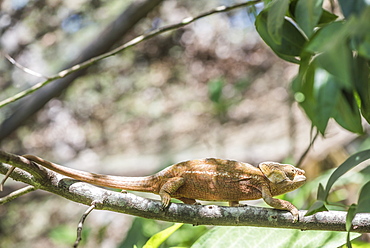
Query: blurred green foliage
[(250, 237), (143, 229), (64, 235)]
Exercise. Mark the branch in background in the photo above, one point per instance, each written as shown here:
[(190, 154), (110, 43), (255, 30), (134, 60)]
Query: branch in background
[(182, 213), (303, 156), (9, 126), (16, 194), (119, 49), (25, 69), (112, 34)]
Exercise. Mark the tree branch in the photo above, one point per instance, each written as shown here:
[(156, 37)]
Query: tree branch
[(16, 194), (119, 49), (81, 223), (193, 214), (36, 102)]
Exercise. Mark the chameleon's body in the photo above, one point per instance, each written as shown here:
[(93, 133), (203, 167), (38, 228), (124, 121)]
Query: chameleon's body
[(204, 179)]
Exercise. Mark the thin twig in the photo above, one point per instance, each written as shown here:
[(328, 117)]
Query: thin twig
[(119, 49), (81, 223), (16, 194), (11, 169), (307, 149), (23, 68)]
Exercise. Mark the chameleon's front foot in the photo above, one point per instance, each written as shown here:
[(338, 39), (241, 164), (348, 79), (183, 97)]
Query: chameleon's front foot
[(165, 199), (295, 214), (280, 204)]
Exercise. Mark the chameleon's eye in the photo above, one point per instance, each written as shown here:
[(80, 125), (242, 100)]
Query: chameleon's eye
[(291, 177), (291, 173)]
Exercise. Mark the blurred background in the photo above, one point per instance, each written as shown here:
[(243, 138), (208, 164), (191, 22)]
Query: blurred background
[(210, 89)]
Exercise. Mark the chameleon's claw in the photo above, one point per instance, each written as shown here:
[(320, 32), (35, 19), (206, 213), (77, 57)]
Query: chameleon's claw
[(295, 214), (166, 199)]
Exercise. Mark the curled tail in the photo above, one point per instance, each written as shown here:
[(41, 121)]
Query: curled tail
[(143, 184)]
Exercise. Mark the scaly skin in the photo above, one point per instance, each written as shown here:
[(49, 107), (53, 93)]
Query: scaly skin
[(204, 179)]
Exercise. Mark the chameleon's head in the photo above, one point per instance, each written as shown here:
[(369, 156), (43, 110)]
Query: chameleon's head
[(285, 175)]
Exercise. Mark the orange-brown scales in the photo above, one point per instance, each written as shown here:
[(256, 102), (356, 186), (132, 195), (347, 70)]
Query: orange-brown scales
[(204, 179)]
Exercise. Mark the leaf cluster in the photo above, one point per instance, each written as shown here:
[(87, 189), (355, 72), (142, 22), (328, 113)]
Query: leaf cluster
[(333, 55)]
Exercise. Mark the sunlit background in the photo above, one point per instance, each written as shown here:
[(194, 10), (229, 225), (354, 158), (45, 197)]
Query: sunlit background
[(210, 89)]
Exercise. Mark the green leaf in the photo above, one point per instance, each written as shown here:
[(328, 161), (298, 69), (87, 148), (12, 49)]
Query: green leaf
[(303, 86), (321, 193), (320, 92), (350, 215), (318, 206), (288, 58), (335, 56), (275, 19), (326, 91), (298, 81), (338, 60), (348, 243), (363, 203), (246, 237), (292, 40), (364, 47), (351, 162), (323, 39), (157, 239), (322, 96), (352, 7), (359, 27), (362, 84), (327, 17), (334, 53), (362, 206), (215, 88), (347, 113), (266, 2), (308, 14)]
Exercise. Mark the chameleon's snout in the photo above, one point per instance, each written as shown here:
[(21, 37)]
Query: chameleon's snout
[(300, 177)]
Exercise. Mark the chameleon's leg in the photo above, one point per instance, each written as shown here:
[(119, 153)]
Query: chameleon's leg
[(188, 201), (169, 188), (279, 204)]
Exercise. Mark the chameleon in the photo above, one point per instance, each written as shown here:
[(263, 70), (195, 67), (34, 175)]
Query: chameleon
[(209, 179)]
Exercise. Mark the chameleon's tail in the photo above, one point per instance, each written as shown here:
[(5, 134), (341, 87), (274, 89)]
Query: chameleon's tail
[(144, 184)]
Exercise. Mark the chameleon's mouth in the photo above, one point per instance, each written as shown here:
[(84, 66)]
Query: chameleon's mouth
[(299, 178)]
